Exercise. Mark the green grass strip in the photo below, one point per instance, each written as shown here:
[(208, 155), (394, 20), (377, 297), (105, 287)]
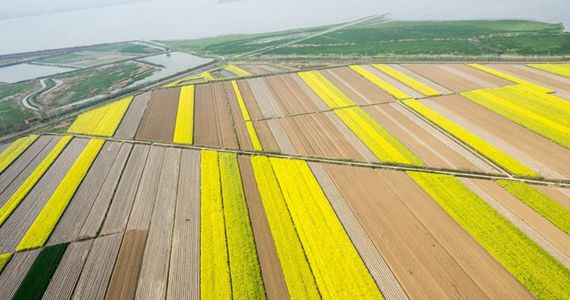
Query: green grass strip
[(244, 265), (4, 259), (38, 277), (214, 262), (47, 219), (548, 208), (497, 156), (9, 155), (540, 273), (31, 181)]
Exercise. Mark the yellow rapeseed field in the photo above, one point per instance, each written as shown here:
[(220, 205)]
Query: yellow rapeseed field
[(4, 259), (529, 117), (510, 78), (481, 146), (392, 90), (9, 155), (214, 261), (45, 222), (407, 80), (31, 181), (102, 121), (558, 69), (245, 272), (540, 273), (337, 267), (379, 140), (239, 72), (248, 123), (329, 93), (298, 276), (184, 130)]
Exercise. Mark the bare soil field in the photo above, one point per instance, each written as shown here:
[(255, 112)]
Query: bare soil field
[(421, 79), (213, 117), (399, 85), (159, 119), (542, 155), (457, 77), (132, 118), (356, 87), (443, 261), (434, 148), (560, 84)]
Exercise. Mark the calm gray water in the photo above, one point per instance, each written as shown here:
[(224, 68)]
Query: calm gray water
[(174, 63), (27, 25), (22, 72)]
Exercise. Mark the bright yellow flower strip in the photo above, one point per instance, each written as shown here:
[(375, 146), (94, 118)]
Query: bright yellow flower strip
[(558, 69), (298, 276), (102, 121), (184, 130), (244, 264), (329, 93), (548, 208), (379, 140), (9, 155), (407, 80), (214, 267), (4, 259), (31, 181), (528, 118), (510, 78), (248, 123), (481, 146), (237, 71), (43, 225), (113, 117), (392, 90), (540, 273), (338, 269)]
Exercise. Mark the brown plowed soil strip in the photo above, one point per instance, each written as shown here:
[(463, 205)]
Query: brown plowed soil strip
[(13, 177), (265, 98), (290, 96), (281, 137), (123, 283), (15, 271), (316, 135), (393, 81), (140, 215), (544, 233), (356, 87), (352, 139), (213, 118), (159, 120), (432, 146), (22, 218), (184, 276), (155, 265), (239, 126), (431, 256), (97, 271), (385, 279), (266, 137), (63, 282), (118, 213), (554, 158), (421, 79), (76, 213), (457, 77), (133, 117), (250, 102), (306, 90), (552, 81), (272, 273)]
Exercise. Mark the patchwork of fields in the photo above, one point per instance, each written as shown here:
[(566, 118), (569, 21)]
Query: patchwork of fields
[(376, 181)]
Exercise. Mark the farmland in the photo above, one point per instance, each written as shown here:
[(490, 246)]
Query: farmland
[(374, 181)]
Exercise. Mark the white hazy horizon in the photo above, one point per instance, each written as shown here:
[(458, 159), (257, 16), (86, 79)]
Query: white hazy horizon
[(29, 25)]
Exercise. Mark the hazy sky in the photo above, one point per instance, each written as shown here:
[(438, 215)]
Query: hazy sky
[(27, 25)]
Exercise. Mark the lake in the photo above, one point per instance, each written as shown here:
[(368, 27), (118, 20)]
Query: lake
[(176, 19), (21, 72)]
